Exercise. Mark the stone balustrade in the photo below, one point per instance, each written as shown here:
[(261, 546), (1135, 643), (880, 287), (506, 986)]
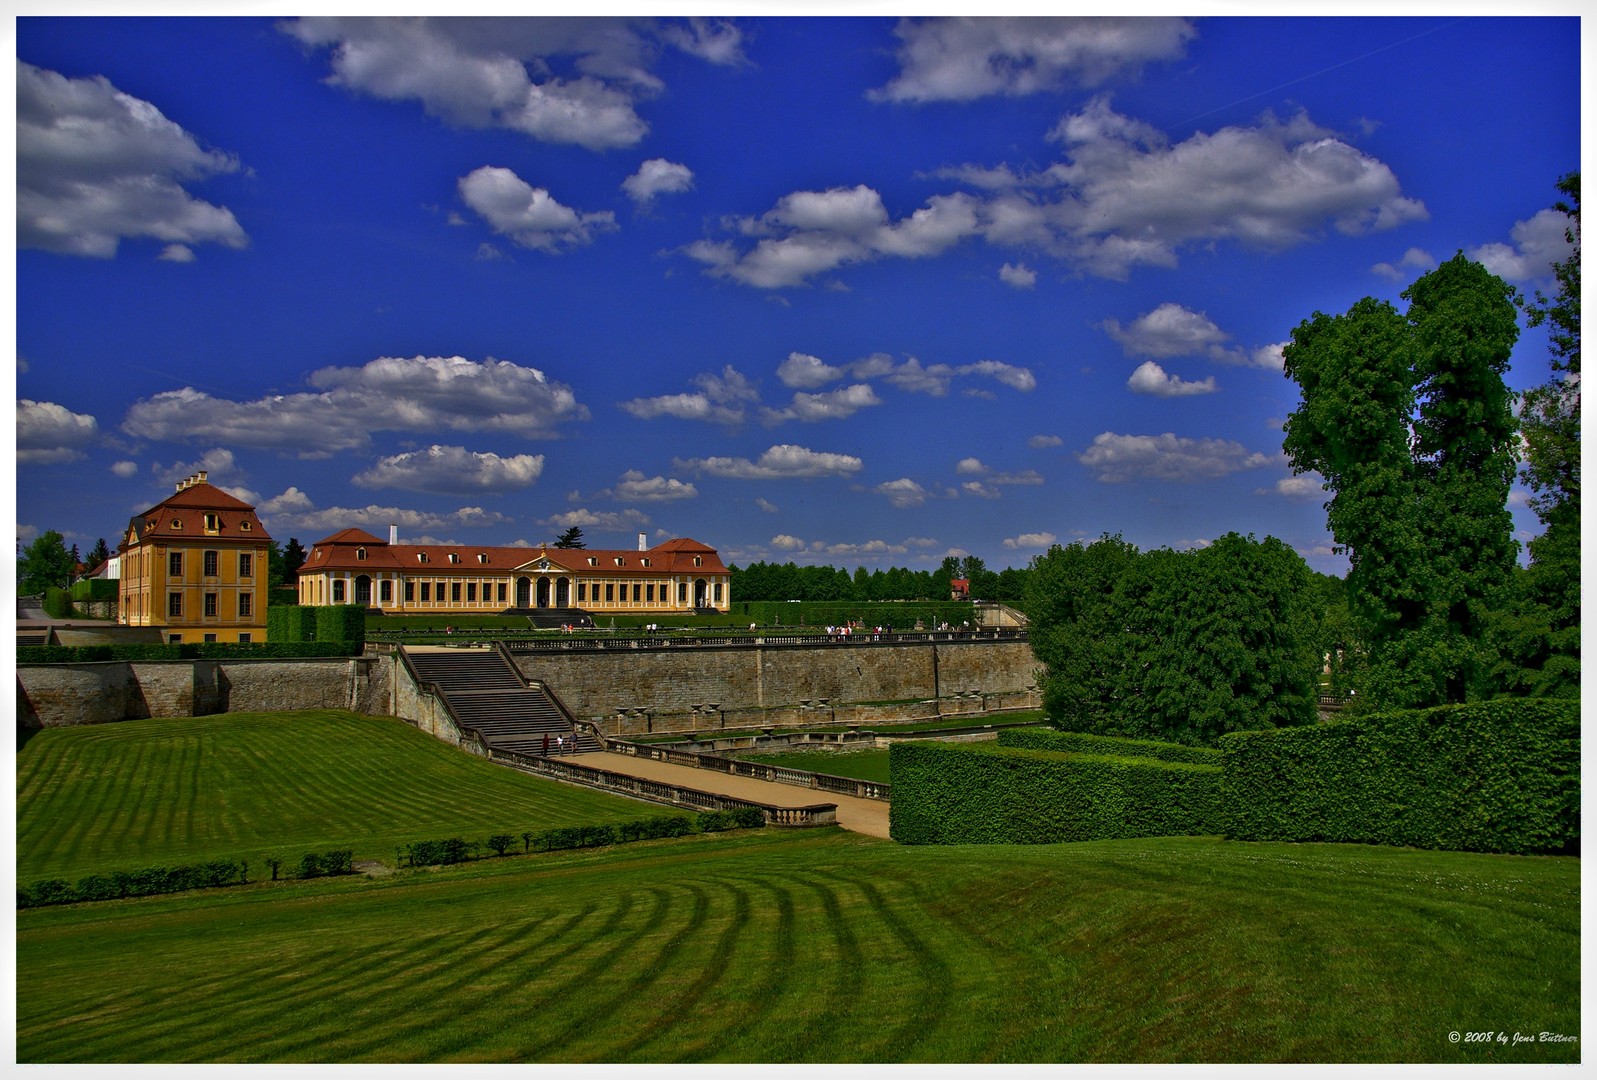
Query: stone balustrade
[(661, 792)]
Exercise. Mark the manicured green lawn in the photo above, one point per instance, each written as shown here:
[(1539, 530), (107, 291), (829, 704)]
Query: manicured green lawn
[(247, 785), (760, 946), (823, 946)]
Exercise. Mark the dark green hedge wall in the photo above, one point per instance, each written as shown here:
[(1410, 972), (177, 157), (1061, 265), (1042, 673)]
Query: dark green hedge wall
[(1499, 776), (340, 622), (328, 622), (979, 793), (194, 650), (1082, 743), (95, 589), (290, 623)]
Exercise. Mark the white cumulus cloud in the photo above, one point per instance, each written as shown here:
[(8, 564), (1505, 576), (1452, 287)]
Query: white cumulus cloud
[(1018, 275), (448, 469), (1152, 379), (833, 405), (903, 493), (1120, 458), (634, 486), (498, 72), (719, 399), (1537, 244), (1031, 541), (657, 176), (420, 394), (528, 215), (96, 166), (49, 434), (961, 59), (778, 463)]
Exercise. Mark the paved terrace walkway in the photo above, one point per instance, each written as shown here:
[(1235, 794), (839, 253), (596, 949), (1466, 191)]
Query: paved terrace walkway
[(868, 816)]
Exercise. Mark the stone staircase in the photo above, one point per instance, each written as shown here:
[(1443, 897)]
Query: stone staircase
[(488, 695)]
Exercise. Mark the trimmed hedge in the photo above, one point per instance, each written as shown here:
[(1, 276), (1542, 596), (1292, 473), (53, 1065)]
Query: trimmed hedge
[(150, 881), (1498, 776), (193, 650), (323, 623), (572, 837), (978, 793), (290, 623), (1082, 743), (88, 589), (326, 863), (340, 622)]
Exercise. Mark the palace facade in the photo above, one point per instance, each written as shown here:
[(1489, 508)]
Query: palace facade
[(355, 567), (195, 566)]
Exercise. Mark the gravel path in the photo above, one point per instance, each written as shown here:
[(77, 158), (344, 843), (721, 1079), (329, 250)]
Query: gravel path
[(868, 816)]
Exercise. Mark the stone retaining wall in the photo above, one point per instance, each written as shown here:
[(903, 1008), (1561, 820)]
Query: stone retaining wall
[(623, 692), (635, 691), (601, 682), (67, 695)]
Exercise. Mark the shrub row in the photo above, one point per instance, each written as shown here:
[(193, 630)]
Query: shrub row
[(1082, 743), (325, 622), (979, 793), (570, 837), (156, 880), (57, 602), (326, 864), (194, 650), (1499, 776), (150, 881), (95, 589)]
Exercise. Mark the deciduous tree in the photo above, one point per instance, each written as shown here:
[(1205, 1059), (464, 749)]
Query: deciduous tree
[(45, 563), (1408, 420), (1178, 646)]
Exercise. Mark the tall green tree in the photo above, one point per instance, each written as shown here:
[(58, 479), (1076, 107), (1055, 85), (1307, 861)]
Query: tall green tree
[(571, 539), (1538, 644), (45, 563), (98, 555), (1179, 646), (1409, 421)]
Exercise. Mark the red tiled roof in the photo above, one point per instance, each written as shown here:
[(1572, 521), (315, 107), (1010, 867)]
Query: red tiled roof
[(236, 519), (340, 551)]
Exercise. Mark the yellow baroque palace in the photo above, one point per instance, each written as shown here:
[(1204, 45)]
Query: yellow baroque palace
[(355, 567), (195, 567)]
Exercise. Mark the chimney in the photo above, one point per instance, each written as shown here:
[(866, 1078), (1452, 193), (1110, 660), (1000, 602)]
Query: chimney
[(393, 534), (643, 541)]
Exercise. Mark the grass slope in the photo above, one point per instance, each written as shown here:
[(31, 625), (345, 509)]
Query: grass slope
[(821, 946), (246, 785)]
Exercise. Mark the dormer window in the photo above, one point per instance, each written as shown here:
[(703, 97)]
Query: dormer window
[(213, 523), (645, 562), (421, 556), (454, 556), (698, 560), (177, 524), (620, 561), (482, 558), (593, 560), (244, 526), (360, 554)]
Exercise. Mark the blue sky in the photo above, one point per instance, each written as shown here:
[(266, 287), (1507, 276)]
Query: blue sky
[(855, 291)]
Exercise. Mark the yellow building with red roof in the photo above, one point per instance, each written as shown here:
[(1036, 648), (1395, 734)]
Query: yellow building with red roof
[(354, 567), (195, 567)]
